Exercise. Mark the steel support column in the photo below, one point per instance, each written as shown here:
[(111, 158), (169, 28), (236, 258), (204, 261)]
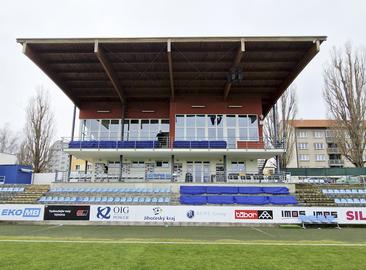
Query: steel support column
[(72, 138)]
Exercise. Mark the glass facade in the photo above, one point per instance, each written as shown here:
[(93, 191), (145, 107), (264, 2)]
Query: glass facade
[(111, 129), (217, 127)]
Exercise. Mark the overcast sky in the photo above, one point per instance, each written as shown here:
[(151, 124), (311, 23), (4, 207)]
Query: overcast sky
[(339, 20)]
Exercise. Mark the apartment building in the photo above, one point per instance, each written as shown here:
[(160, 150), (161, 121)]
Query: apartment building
[(315, 146)]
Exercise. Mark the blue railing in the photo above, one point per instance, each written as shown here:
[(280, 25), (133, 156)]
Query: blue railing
[(229, 143)]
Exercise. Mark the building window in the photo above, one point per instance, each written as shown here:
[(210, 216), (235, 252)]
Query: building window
[(303, 134), (133, 129), (304, 157), (318, 133), (217, 127), (320, 157), (303, 146), (77, 167), (162, 164), (237, 167), (318, 146), (138, 164)]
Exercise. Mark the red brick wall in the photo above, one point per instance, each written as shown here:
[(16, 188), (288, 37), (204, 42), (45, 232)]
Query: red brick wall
[(133, 110), (89, 110), (160, 108)]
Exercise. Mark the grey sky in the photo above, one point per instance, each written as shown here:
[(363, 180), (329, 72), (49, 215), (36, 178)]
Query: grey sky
[(339, 20)]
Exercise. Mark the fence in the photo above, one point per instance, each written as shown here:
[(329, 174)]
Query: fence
[(326, 171)]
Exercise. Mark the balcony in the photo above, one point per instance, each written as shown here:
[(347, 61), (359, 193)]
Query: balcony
[(329, 138), (253, 149), (336, 162), (333, 150)]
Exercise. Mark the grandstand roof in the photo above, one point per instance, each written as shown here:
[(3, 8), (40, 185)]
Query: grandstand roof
[(119, 69)]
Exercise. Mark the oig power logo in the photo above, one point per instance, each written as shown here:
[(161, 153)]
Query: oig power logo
[(104, 212), (115, 213)]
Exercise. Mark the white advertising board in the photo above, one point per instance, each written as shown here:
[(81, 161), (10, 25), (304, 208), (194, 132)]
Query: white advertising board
[(221, 214), (21, 212)]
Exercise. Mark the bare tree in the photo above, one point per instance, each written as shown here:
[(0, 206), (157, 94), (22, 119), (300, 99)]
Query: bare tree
[(38, 132), (284, 133), (345, 96), (8, 140)]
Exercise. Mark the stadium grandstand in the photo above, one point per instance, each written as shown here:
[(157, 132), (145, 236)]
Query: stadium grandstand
[(173, 131)]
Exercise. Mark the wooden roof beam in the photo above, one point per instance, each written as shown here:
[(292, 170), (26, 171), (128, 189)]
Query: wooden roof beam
[(236, 63), (31, 54), (107, 66), (170, 62), (314, 49)]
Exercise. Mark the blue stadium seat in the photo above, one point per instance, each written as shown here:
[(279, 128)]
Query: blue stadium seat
[(135, 200), (282, 200), (220, 200), (221, 190), (251, 200), (123, 199), (147, 200), (154, 200), (193, 200), (117, 199), (129, 200), (350, 201), (161, 200), (141, 200), (275, 190), (166, 200), (250, 190), (193, 190)]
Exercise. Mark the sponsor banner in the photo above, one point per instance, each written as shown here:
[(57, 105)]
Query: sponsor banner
[(66, 212), (25, 212), (221, 214)]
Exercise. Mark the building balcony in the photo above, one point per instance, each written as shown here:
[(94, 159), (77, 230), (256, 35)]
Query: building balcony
[(336, 162), (208, 176), (333, 150), (165, 146)]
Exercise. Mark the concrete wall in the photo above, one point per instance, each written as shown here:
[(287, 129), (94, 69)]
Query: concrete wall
[(43, 178)]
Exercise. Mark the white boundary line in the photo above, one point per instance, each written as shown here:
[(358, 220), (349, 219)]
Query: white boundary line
[(181, 243)]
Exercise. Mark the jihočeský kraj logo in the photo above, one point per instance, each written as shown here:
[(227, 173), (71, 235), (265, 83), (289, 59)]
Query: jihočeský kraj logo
[(104, 212), (157, 211), (158, 216), (190, 214)]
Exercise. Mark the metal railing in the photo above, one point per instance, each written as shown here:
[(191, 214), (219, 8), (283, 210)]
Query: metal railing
[(333, 150), (207, 177), (170, 143), (336, 162)]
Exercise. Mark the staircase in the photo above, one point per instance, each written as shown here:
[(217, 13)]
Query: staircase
[(261, 163), (30, 195), (311, 195)]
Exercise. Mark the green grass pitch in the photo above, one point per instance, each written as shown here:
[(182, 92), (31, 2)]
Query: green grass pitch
[(126, 247)]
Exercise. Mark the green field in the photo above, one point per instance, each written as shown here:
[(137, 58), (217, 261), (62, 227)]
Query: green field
[(116, 247)]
